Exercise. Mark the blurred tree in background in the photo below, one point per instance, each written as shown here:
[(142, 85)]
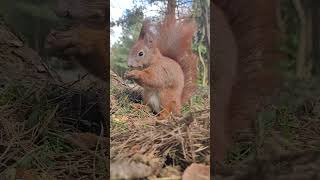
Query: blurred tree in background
[(131, 22), (298, 21), (32, 19)]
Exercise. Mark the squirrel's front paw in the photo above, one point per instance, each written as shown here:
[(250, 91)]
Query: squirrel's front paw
[(133, 75)]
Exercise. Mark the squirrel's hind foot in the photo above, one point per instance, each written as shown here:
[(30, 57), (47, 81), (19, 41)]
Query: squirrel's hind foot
[(164, 115)]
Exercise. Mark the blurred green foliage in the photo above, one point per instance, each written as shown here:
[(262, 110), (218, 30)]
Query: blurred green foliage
[(131, 22), (31, 19)]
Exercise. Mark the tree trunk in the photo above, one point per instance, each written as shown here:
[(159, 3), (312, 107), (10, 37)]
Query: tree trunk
[(309, 57), (316, 38), (205, 69), (171, 6), (301, 56), (281, 23), (206, 13)]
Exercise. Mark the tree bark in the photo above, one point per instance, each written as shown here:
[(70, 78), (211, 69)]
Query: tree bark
[(281, 23), (206, 13), (171, 6), (309, 56), (301, 55), (205, 69), (316, 37)]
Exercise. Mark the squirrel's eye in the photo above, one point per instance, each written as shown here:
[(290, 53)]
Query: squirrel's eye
[(140, 53)]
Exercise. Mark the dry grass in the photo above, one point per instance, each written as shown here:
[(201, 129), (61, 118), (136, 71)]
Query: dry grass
[(286, 142), (174, 143), (42, 134), (41, 137), (35, 128)]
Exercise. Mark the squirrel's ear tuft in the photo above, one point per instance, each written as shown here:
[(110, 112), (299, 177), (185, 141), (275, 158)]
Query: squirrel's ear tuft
[(148, 40), (148, 29), (145, 28)]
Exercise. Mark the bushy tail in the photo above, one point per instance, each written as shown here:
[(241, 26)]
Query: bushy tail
[(254, 26), (175, 42)]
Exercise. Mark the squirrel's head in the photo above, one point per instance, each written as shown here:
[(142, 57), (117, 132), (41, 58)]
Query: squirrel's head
[(144, 49)]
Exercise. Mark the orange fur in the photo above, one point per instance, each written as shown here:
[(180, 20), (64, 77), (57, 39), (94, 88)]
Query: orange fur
[(86, 40), (169, 66), (175, 42), (163, 77), (244, 47), (85, 45)]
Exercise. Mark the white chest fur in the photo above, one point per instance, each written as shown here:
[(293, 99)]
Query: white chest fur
[(154, 101)]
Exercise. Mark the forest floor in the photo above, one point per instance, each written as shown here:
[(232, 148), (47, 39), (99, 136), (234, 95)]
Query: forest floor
[(156, 149), (54, 132), (286, 143), (293, 123), (50, 132), (286, 137)]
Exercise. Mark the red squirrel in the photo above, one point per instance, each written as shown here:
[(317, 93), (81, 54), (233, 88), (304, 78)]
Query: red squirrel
[(164, 64), (244, 53), (243, 47), (83, 44), (174, 78), (224, 68), (86, 40)]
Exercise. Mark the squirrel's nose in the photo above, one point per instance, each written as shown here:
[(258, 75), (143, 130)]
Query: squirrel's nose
[(130, 64)]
